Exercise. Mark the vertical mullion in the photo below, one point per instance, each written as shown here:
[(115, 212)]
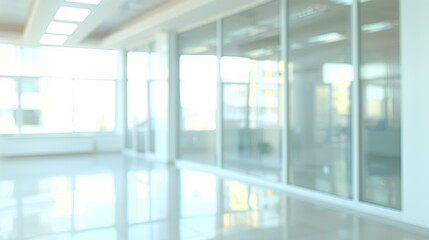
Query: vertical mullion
[(285, 114), (19, 80), (124, 95), (356, 104), (147, 137), (219, 119), (174, 101), (19, 113)]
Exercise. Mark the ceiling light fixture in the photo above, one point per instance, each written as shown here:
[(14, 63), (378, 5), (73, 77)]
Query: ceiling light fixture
[(378, 26), (61, 28), (309, 12), (52, 39), (92, 2), (72, 14), (327, 38), (198, 50)]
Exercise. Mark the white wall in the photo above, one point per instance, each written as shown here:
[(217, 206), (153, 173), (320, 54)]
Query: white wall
[(49, 144), (415, 118)]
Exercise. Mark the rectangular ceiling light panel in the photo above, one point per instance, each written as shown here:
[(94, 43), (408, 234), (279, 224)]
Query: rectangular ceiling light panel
[(327, 38), (61, 28), (51, 39), (72, 14)]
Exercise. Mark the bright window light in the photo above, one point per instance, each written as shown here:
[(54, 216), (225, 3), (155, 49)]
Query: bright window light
[(61, 28), (52, 39), (72, 14), (92, 2)]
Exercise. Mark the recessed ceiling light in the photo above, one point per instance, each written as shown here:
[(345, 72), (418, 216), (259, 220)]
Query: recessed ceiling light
[(52, 39), (378, 26), (93, 2), (327, 38), (61, 28), (72, 14)]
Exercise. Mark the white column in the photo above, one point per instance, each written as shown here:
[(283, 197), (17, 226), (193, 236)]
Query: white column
[(160, 69), (121, 97), (415, 113)]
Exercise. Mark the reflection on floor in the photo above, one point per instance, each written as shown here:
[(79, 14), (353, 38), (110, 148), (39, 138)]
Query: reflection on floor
[(116, 197)]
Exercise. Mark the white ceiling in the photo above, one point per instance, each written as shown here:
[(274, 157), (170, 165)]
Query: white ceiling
[(25, 21), (12, 22)]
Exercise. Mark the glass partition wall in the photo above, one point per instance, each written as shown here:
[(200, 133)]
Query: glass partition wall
[(380, 99), (198, 94), (319, 92), (340, 103), (251, 88), (141, 97), (137, 98)]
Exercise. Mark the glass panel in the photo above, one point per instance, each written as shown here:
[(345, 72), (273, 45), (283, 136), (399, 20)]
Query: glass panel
[(8, 106), (320, 95), (9, 62), (159, 58), (47, 61), (94, 63), (94, 105), (47, 105), (63, 105), (69, 62), (32, 105), (58, 61), (251, 85), (138, 73), (156, 99), (198, 91), (381, 103)]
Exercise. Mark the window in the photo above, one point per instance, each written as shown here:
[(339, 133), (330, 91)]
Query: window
[(94, 105), (250, 68), (198, 94), (8, 106), (44, 94), (321, 74), (381, 104), (138, 75)]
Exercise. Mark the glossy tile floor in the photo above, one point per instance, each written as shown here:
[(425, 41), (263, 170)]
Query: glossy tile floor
[(110, 197)]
